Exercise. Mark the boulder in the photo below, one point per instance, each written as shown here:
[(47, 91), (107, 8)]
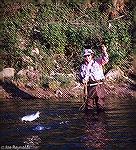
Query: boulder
[(29, 76), (22, 72), (114, 74), (33, 75), (7, 73)]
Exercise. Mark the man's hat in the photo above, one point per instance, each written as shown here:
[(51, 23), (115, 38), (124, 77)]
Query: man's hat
[(88, 52)]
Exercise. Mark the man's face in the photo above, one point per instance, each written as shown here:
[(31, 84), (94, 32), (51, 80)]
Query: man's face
[(88, 58)]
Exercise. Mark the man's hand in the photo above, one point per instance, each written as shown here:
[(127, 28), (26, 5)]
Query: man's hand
[(85, 81), (103, 48)]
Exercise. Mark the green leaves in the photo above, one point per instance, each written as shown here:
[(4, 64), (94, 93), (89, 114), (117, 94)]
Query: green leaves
[(55, 35), (65, 28)]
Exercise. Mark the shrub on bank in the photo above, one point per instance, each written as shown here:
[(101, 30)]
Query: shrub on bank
[(64, 29)]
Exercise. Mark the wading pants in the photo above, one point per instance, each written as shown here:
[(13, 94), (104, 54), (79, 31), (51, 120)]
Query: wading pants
[(96, 96)]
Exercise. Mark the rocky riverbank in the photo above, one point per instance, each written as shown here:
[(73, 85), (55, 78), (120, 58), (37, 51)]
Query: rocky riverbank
[(10, 90), (116, 85)]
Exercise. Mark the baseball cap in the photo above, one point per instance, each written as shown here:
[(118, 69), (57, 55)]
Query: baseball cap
[(88, 52)]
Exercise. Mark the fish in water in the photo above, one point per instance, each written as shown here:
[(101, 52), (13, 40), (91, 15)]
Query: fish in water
[(31, 117)]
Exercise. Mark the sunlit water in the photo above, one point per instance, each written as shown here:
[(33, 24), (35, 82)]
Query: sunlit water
[(62, 126)]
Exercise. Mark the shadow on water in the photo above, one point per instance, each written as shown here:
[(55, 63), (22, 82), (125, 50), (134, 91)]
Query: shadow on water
[(62, 126), (96, 133), (121, 119), (14, 91)]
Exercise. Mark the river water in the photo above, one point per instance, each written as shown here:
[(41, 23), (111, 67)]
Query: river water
[(61, 126)]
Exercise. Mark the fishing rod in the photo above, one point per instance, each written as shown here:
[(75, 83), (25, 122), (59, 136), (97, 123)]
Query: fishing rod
[(85, 97)]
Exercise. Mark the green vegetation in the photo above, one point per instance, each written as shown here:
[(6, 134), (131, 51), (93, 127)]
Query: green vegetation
[(63, 28)]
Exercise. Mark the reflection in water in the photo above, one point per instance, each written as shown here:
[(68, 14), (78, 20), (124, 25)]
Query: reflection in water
[(33, 141), (61, 126), (96, 135), (39, 128)]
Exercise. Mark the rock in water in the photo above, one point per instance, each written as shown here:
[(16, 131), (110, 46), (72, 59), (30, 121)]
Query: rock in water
[(31, 117)]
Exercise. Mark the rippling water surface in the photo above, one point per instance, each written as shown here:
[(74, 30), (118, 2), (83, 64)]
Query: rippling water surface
[(62, 126)]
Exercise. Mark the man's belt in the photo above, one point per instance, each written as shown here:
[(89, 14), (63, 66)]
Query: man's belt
[(95, 83)]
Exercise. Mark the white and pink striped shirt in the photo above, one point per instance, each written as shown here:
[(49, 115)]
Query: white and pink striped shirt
[(93, 70)]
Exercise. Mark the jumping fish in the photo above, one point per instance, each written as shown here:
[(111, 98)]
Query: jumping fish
[(31, 117)]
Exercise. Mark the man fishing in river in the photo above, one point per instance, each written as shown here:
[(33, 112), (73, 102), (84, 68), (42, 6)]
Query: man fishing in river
[(92, 76)]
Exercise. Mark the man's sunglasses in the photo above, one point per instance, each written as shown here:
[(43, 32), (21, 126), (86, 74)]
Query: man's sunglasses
[(88, 55)]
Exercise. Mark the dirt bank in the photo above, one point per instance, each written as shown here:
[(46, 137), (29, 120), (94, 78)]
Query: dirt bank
[(9, 90)]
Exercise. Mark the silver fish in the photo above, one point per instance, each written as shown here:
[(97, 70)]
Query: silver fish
[(31, 117)]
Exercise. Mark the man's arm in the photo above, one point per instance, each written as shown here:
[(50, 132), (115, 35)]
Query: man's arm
[(84, 74), (104, 56)]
